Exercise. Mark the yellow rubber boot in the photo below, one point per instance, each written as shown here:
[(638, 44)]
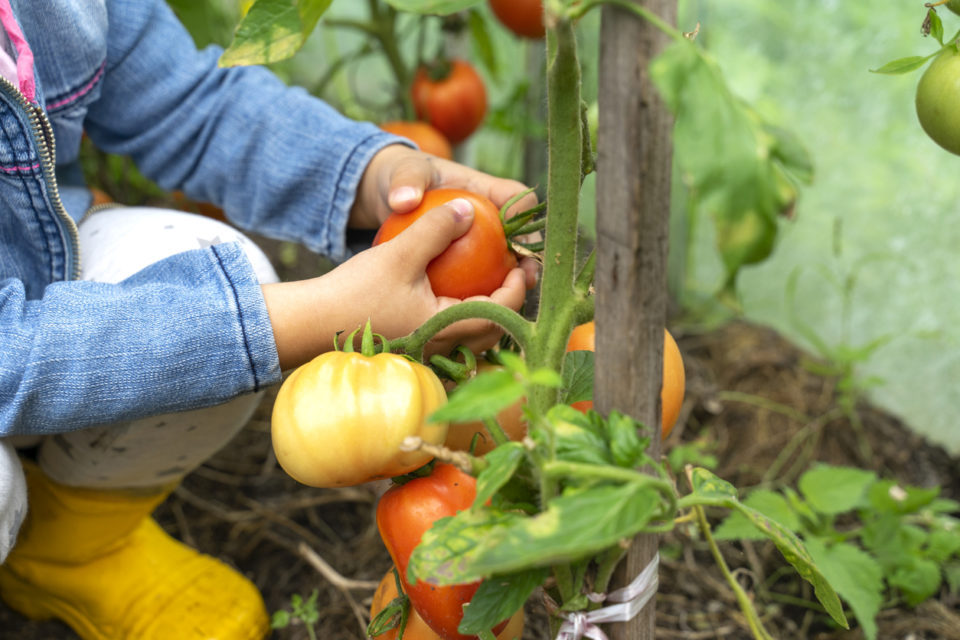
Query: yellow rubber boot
[(99, 562)]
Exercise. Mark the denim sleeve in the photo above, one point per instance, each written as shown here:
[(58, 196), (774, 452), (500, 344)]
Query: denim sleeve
[(186, 332), (280, 162)]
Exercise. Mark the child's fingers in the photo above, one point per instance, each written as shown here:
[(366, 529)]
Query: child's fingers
[(513, 291), (408, 181), (433, 232)]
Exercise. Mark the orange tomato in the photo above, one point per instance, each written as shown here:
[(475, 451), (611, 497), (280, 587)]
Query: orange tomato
[(583, 338), (416, 628), (423, 134)]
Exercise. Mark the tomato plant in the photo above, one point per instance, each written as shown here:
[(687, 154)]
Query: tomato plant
[(404, 513), (583, 338), (938, 100), (416, 628), (423, 134), (339, 419), (552, 513), (523, 17), (452, 97), (476, 263)]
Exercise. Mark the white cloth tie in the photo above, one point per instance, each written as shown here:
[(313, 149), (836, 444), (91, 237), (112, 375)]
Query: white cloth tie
[(630, 600)]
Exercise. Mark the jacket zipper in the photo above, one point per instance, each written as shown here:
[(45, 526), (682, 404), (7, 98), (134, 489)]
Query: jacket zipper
[(46, 146)]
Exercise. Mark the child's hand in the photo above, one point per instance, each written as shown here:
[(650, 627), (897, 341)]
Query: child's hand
[(387, 284), (396, 178)]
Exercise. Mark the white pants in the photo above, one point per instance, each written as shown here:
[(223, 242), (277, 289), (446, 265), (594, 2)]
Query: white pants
[(115, 244)]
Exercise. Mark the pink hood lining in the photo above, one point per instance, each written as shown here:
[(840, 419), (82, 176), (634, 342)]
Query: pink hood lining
[(24, 55)]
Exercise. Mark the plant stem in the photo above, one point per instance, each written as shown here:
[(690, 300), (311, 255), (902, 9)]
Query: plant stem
[(557, 300), (746, 605), (516, 325)]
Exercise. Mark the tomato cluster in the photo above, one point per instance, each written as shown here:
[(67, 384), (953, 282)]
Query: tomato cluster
[(476, 263)]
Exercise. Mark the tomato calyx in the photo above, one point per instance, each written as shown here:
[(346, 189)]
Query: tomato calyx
[(392, 616), (368, 342), (438, 69)]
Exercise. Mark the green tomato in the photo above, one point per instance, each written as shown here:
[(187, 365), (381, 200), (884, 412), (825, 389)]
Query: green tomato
[(954, 5), (938, 100)]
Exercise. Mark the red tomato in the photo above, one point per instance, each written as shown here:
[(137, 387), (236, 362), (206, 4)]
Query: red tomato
[(523, 17), (476, 263), (404, 513), (416, 628), (455, 104), (423, 134), (583, 338)]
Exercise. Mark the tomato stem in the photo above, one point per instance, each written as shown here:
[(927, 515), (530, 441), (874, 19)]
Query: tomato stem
[(519, 328), (746, 604), (496, 431)]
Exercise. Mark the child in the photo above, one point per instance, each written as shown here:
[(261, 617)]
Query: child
[(134, 343)]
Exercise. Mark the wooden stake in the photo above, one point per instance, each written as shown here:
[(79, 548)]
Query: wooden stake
[(633, 205)]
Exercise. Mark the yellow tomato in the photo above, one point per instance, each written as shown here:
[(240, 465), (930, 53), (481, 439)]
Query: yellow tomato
[(339, 419)]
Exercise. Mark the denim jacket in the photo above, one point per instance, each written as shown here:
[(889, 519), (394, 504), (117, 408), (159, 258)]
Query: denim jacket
[(191, 330)]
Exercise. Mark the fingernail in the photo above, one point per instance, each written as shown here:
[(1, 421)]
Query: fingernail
[(403, 195), (462, 207)]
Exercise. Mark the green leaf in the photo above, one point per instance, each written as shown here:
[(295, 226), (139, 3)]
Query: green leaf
[(708, 485), (482, 42), (280, 619), (476, 544), (936, 26), (737, 167), (952, 573), (710, 490), (545, 378), (917, 580), (892, 542), (577, 376), (771, 504), (502, 462), (944, 505), (888, 495), (273, 30), (902, 65), (627, 446), (697, 452), (483, 396), (943, 544), (832, 490), (575, 437), (498, 598), (856, 576), (433, 7)]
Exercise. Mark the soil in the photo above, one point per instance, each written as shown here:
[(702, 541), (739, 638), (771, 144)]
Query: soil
[(751, 401)]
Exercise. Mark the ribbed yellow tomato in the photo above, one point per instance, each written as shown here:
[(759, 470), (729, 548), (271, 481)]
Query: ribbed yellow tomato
[(339, 419)]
